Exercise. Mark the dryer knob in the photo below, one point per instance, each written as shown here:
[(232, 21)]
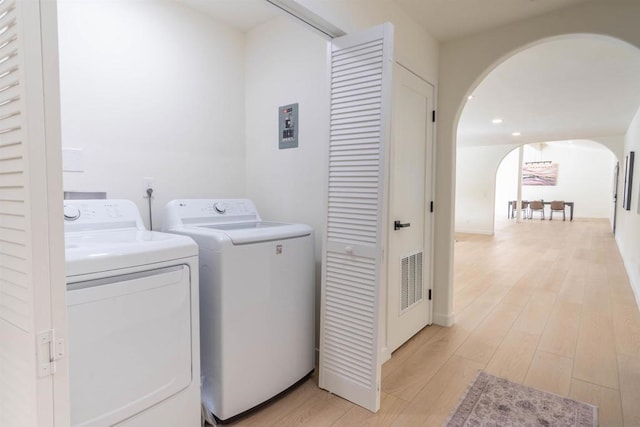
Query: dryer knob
[(219, 208), (71, 213)]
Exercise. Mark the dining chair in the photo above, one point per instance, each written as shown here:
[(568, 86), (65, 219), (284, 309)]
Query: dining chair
[(524, 208), (536, 206), (557, 205)]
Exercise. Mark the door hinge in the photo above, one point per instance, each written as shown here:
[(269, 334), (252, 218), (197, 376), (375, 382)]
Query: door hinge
[(49, 349), (429, 294), (433, 116), (431, 207)]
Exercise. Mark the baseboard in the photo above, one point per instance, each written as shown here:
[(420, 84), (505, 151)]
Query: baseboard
[(473, 231), (385, 354), (634, 279), (443, 319)]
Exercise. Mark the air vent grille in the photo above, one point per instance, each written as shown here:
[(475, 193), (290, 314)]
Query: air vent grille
[(412, 286)]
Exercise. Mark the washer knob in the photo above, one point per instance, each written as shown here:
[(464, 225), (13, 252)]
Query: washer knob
[(71, 213), (219, 208)]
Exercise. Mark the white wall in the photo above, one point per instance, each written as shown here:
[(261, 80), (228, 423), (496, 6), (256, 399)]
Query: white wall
[(475, 187), (628, 226), (506, 184), (152, 89), (464, 62), (585, 177), (285, 64)]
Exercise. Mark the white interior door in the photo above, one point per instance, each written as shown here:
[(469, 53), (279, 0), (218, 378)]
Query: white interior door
[(409, 268), (353, 267), (32, 282)]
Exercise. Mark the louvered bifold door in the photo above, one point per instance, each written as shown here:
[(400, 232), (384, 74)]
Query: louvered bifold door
[(353, 269), (26, 175)]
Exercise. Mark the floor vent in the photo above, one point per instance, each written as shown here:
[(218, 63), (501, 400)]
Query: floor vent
[(411, 289)]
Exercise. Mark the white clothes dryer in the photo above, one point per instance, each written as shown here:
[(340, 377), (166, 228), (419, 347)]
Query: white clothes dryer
[(257, 302), (132, 305)]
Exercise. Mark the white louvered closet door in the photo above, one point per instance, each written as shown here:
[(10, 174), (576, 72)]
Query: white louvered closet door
[(353, 268), (32, 284)]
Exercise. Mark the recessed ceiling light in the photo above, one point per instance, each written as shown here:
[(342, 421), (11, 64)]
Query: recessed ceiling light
[(515, 134), (496, 121)]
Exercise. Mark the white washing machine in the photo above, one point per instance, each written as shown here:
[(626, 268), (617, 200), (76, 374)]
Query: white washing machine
[(257, 292), (132, 302)]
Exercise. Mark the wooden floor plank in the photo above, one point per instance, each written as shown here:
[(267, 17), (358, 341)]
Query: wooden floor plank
[(402, 354), (484, 341), (325, 410), (278, 409), (440, 394), (513, 357), (390, 408), (626, 325), (561, 333), (533, 318), (595, 359), (606, 399), (407, 382), (630, 389), (550, 372)]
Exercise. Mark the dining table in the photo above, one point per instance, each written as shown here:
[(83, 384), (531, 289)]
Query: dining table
[(511, 212)]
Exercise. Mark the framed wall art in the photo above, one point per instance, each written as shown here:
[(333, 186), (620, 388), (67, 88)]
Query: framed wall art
[(539, 173), (628, 181)]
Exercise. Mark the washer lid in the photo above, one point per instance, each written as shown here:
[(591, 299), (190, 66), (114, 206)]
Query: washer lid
[(98, 251), (241, 233)]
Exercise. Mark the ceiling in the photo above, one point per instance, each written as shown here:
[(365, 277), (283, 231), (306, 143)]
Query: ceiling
[(565, 89), (562, 90), (451, 19), (443, 19), (240, 14)]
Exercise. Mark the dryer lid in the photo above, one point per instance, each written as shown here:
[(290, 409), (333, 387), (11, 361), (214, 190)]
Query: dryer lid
[(100, 251), (241, 233)]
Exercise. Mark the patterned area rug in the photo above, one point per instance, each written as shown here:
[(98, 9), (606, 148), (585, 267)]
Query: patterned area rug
[(493, 401)]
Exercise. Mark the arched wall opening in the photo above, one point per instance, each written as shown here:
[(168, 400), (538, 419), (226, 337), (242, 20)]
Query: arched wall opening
[(585, 173), (585, 177), (548, 91), (465, 62)]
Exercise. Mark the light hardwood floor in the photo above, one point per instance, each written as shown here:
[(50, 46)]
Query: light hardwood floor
[(543, 303)]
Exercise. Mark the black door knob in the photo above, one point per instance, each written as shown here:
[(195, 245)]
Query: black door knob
[(397, 225)]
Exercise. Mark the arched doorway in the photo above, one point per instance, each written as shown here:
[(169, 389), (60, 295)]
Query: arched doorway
[(559, 88), (464, 64), (584, 173)]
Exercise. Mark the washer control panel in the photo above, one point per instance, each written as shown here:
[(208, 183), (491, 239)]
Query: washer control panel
[(193, 211), (101, 214), (71, 213)]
